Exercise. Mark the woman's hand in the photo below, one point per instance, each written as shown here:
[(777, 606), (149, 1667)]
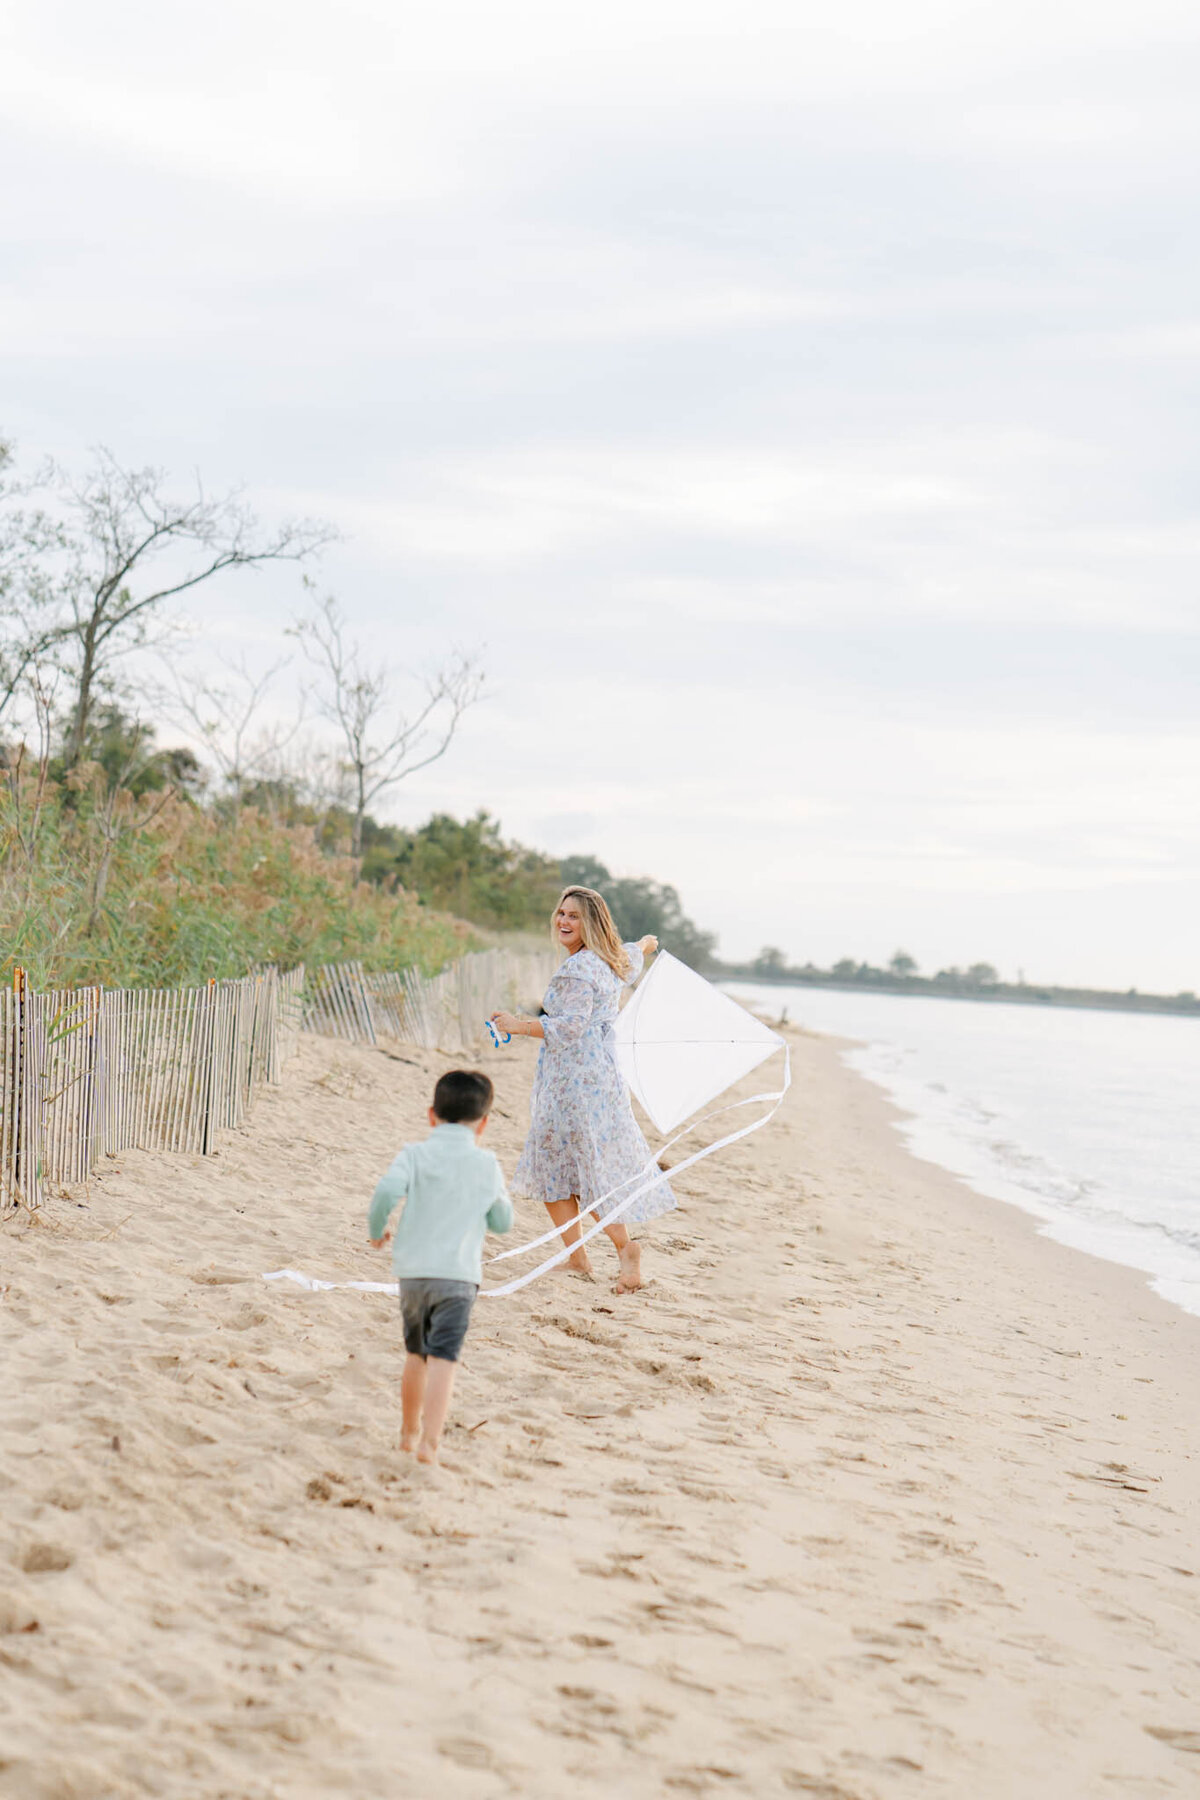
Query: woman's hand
[(507, 1022), (647, 945)]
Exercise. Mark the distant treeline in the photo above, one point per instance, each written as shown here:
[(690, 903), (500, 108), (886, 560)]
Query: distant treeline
[(466, 867), (978, 982), (131, 866)]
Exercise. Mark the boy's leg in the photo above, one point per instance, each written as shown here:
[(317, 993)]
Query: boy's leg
[(412, 1397), (439, 1387), (449, 1317), (566, 1212)]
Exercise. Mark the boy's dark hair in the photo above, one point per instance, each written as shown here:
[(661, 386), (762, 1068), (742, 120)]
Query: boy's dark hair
[(462, 1097)]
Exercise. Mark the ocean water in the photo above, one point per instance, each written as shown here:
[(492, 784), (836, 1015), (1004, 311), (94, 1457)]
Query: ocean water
[(1088, 1120)]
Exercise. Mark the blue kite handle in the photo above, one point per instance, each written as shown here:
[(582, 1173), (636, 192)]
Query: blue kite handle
[(498, 1037)]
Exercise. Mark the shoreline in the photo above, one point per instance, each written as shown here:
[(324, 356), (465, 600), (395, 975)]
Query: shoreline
[(897, 1121), (1074, 1197), (874, 1492), (1049, 1221)]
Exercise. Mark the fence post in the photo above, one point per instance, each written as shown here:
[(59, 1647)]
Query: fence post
[(207, 1124), (13, 1108), (94, 1084), (29, 1110)]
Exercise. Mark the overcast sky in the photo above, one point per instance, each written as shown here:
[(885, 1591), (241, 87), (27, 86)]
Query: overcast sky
[(799, 405)]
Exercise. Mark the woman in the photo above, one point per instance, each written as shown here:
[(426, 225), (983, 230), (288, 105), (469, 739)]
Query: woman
[(584, 1142)]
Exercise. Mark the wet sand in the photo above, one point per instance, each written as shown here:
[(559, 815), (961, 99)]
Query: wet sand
[(871, 1493)]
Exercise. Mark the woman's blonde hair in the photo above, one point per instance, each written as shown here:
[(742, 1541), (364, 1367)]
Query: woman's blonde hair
[(596, 924)]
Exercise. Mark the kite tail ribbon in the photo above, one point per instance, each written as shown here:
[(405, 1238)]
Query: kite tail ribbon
[(644, 1181)]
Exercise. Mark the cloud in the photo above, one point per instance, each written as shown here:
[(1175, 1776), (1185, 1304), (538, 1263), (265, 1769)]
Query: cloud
[(793, 402)]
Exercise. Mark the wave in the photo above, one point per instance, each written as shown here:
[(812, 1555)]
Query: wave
[(1091, 1128)]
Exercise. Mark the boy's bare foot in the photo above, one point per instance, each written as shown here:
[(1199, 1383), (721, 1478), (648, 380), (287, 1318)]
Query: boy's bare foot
[(426, 1453), (630, 1259)]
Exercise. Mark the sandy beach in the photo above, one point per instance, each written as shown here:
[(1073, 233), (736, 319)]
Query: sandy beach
[(871, 1493)]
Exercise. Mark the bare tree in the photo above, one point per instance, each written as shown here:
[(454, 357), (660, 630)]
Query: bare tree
[(133, 549), (28, 536), (226, 714), (380, 746), (118, 813), (27, 797)]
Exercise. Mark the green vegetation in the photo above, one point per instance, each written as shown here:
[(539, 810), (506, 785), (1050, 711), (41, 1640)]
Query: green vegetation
[(139, 883), (639, 906), (467, 868), (119, 868), (130, 864), (99, 884)]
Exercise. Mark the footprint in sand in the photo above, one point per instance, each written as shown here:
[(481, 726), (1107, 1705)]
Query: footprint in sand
[(468, 1753), (185, 1436), (815, 1786), (45, 1559), (591, 1698), (15, 1617), (701, 1779), (1178, 1740)]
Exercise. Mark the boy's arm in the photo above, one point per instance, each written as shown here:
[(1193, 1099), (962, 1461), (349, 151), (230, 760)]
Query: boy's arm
[(500, 1212), (390, 1191)]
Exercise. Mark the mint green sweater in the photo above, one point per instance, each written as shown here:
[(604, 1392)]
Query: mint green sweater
[(453, 1195)]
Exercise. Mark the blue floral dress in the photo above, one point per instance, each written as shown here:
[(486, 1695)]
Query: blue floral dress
[(584, 1139)]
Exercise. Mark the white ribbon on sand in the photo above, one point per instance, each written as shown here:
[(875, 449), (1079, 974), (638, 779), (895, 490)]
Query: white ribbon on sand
[(314, 1286)]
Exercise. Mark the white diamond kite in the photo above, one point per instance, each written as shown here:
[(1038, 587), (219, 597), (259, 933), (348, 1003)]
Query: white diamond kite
[(680, 1042)]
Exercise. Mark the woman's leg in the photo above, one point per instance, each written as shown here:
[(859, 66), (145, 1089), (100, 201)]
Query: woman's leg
[(629, 1256), (566, 1213)]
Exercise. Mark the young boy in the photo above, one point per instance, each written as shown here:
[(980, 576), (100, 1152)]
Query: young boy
[(453, 1194)]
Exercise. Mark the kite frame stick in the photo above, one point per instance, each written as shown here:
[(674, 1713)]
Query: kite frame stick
[(552, 1262)]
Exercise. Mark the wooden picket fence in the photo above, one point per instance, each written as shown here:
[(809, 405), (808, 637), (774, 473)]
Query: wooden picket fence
[(90, 1072), (93, 1071), (438, 1012)]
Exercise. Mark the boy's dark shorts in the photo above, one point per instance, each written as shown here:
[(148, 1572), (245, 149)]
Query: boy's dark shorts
[(436, 1315)]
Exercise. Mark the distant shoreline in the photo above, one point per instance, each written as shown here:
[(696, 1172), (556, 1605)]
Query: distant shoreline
[(1084, 999)]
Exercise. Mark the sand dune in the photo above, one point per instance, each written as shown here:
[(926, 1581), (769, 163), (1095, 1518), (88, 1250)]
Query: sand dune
[(871, 1493)]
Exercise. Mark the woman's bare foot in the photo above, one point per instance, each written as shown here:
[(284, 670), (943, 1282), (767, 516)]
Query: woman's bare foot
[(426, 1453), (630, 1259), (409, 1441), (579, 1262)]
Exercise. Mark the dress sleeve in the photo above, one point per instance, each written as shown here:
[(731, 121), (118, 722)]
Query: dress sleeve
[(637, 961), (574, 998)]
